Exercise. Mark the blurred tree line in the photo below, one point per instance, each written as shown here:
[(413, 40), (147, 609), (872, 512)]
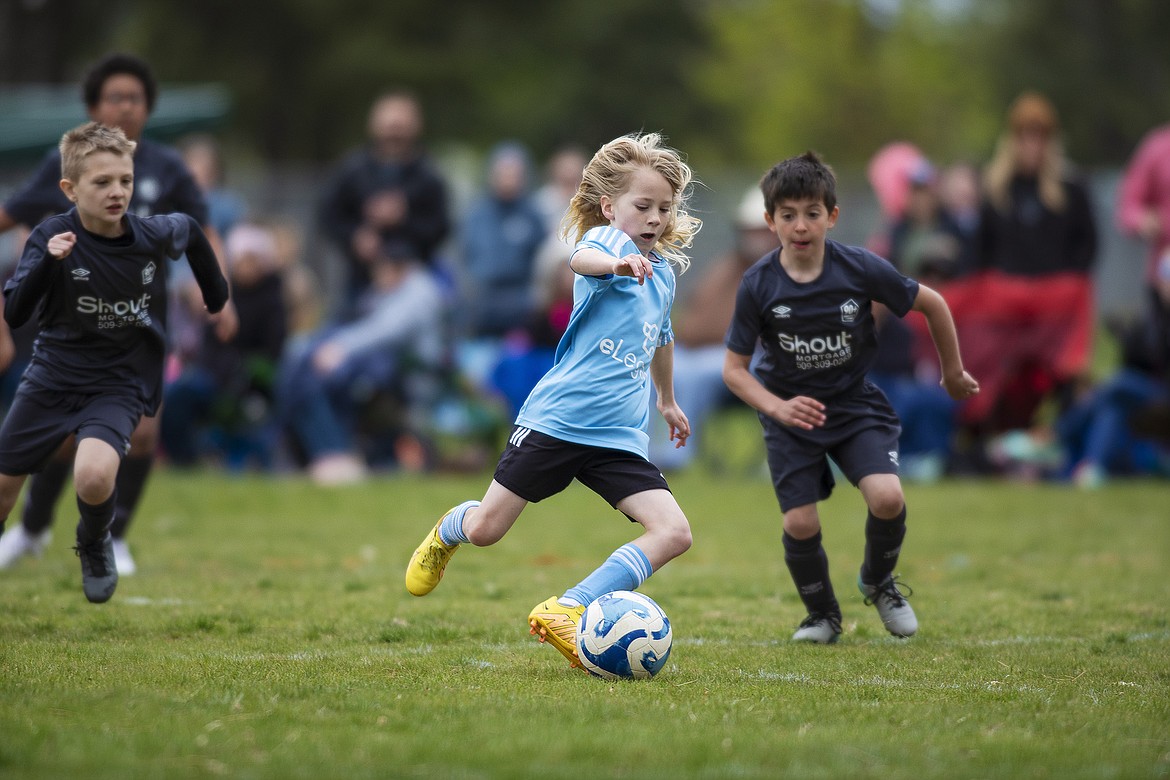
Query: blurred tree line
[(740, 82)]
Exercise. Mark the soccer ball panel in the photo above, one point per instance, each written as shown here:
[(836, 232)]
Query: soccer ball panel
[(624, 635)]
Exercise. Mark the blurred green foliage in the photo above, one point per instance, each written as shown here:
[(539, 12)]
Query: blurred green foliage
[(732, 80)]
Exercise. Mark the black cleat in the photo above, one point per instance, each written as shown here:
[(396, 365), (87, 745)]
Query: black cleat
[(99, 574)]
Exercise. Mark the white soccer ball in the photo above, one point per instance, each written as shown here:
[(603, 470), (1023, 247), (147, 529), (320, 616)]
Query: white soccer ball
[(623, 635)]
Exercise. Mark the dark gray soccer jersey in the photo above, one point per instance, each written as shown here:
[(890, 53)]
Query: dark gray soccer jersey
[(102, 319), (817, 337), (162, 184)]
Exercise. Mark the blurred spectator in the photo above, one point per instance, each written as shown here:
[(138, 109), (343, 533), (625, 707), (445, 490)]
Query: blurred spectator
[(562, 177), (925, 243), (700, 322), (527, 355), (303, 301), (1123, 426), (1037, 217), (228, 386), (185, 331), (204, 159), (959, 192), (499, 239), (1026, 318), (933, 243), (393, 349), (388, 191), (889, 173), (1143, 207)]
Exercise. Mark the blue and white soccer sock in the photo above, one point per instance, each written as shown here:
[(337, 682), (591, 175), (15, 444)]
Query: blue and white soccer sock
[(626, 569), (451, 526)]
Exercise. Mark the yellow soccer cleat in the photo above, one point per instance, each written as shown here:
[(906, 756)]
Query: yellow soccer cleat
[(428, 562), (556, 624)]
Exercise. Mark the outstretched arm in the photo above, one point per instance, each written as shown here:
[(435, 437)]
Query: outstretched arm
[(798, 412), (588, 261), (205, 266), (955, 380)]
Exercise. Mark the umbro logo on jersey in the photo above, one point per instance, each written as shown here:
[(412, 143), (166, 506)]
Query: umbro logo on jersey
[(782, 312), (148, 272), (81, 274), (893, 456)]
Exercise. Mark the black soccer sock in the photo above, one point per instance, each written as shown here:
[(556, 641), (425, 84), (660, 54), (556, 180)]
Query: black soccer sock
[(95, 518), (132, 476), (44, 488), (883, 543), (809, 567)]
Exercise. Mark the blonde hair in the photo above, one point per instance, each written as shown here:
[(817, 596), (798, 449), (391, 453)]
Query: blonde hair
[(1030, 112), (82, 141), (609, 173)]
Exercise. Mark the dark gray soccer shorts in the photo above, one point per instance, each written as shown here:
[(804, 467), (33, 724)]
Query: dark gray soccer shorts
[(860, 434), (38, 421)]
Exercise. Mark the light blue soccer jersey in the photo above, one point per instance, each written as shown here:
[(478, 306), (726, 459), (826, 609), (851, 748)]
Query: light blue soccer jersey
[(598, 391)]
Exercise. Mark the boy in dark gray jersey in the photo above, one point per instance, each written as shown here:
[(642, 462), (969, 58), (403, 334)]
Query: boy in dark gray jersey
[(96, 279), (809, 306), (120, 91)]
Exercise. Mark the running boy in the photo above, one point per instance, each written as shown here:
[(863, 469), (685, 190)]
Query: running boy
[(98, 276), (808, 304), (588, 417), (120, 91)]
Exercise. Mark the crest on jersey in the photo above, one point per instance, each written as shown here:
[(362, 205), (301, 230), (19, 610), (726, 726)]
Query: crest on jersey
[(148, 272), (849, 310)]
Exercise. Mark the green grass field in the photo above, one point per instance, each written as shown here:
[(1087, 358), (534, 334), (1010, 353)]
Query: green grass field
[(268, 635)]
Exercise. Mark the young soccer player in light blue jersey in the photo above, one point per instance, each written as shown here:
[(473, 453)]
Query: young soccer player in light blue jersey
[(587, 418)]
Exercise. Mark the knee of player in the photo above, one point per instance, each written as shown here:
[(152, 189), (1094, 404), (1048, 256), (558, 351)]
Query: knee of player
[(678, 535), (94, 482), (802, 522), (887, 503)]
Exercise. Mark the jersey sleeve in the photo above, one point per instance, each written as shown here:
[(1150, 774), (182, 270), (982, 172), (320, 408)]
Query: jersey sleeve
[(891, 287), (744, 330), (31, 280), (609, 240)]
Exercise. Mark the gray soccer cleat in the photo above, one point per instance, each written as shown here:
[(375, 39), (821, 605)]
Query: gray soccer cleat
[(822, 628), (896, 613)]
